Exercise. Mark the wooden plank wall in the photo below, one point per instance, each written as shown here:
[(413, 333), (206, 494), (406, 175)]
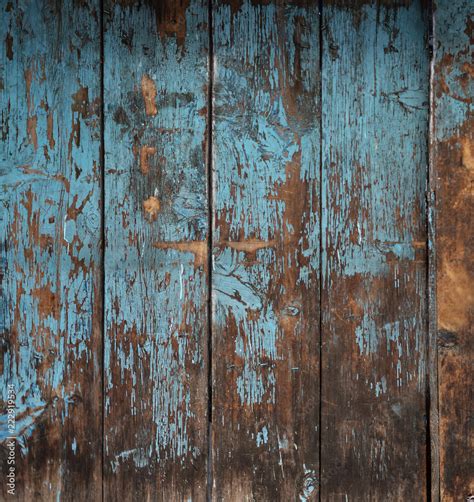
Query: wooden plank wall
[(232, 267)]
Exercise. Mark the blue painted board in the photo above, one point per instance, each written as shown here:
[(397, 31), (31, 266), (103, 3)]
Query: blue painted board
[(50, 289), (375, 105), (265, 258), (156, 226)]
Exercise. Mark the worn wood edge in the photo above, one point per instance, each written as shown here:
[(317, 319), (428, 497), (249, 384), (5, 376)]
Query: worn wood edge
[(209, 262), (432, 368)]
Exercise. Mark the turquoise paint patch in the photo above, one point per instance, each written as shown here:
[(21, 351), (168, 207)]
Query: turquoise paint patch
[(257, 132), (240, 291), (262, 437), (48, 172), (155, 299), (366, 335), (377, 183), (375, 165), (451, 104)]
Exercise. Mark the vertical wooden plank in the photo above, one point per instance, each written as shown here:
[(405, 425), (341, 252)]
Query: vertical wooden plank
[(156, 58), (265, 271), (453, 162), (375, 95), (50, 311)]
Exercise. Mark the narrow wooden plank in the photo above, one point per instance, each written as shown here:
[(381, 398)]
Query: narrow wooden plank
[(453, 162), (265, 250), (156, 77), (50, 312), (375, 95)]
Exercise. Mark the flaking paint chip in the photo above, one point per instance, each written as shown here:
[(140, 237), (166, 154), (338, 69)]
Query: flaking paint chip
[(145, 153), (149, 95), (151, 206)]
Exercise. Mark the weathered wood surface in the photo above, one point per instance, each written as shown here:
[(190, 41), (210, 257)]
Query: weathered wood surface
[(50, 299), (453, 162), (315, 267), (155, 361), (375, 100), (265, 264)]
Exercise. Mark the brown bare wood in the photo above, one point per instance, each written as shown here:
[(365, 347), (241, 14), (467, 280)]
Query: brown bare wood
[(453, 162)]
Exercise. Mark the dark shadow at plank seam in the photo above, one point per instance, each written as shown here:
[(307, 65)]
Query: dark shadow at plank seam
[(102, 230), (321, 21), (432, 400), (209, 250)]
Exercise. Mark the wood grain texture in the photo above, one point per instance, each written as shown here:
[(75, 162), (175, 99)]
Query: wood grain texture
[(265, 269), (375, 95), (50, 311), (156, 77), (329, 270), (453, 158)]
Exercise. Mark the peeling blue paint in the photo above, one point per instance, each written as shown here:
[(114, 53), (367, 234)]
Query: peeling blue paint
[(375, 119), (49, 224), (255, 136), (378, 185), (262, 436), (155, 297)]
